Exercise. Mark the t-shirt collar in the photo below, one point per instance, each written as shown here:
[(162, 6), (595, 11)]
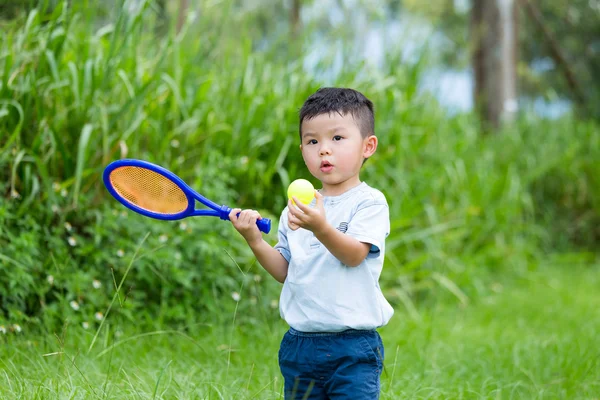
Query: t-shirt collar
[(346, 194)]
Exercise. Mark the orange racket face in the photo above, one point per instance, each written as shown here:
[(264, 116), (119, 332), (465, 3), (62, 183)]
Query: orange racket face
[(148, 190)]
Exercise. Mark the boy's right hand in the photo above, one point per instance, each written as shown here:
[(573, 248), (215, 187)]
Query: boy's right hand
[(245, 224)]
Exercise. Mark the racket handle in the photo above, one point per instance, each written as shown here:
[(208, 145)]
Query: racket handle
[(264, 225)]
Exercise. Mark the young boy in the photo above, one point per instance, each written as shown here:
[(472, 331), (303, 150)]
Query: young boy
[(329, 257)]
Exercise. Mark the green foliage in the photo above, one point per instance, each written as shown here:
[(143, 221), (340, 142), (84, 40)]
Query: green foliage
[(223, 116), (573, 26), (565, 186), (67, 265)]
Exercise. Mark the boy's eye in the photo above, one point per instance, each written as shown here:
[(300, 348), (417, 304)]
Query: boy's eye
[(312, 141), (337, 137)]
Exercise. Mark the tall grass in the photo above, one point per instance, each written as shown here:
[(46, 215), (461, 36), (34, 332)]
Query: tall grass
[(78, 93)]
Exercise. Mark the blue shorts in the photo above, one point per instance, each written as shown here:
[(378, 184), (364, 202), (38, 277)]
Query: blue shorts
[(337, 365)]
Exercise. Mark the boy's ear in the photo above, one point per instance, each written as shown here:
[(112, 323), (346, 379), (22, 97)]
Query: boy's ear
[(369, 146)]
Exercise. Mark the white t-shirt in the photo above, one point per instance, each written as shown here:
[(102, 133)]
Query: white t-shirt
[(320, 294)]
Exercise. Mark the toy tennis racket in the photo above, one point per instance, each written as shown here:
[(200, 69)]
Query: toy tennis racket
[(155, 192)]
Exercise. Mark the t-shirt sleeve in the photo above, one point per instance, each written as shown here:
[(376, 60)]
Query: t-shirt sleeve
[(282, 245), (371, 224)]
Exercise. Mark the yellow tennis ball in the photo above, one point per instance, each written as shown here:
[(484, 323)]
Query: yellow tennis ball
[(302, 189)]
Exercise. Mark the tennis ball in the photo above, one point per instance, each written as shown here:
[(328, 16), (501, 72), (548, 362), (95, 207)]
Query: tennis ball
[(302, 189)]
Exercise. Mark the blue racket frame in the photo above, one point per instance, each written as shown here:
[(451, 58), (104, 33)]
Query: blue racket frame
[(264, 225)]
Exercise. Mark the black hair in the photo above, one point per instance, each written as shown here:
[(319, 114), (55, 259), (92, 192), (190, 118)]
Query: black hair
[(343, 101)]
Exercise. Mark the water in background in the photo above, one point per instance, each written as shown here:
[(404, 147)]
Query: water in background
[(354, 31), (376, 33)]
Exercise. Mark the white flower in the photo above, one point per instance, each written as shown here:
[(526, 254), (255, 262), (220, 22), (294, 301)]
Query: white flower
[(244, 160), (175, 143), (68, 226), (17, 328), (74, 305), (50, 279), (14, 194), (133, 7), (55, 208), (55, 186), (497, 287), (85, 325), (274, 303), (182, 226), (163, 238), (178, 256), (96, 284), (99, 316), (235, 296), (257, 278), (124, 148), (2, 329), (63, 193), (72, 241), (120, 253)]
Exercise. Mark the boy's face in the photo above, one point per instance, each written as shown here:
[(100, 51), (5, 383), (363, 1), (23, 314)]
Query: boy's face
[(334, 149)]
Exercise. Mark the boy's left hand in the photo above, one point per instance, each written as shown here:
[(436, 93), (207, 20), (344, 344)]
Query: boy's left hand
[(312, 219)]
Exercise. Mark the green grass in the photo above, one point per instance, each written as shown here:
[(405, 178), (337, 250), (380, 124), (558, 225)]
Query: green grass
[(530, 337), (222, 114), (79, 91)]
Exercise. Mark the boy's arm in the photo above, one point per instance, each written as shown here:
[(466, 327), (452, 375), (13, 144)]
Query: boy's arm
[(366, 234), (270, 259), (347, 249)]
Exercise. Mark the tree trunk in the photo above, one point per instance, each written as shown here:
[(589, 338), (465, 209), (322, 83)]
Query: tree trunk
[(182, 14), (295, 18), (494, 58)]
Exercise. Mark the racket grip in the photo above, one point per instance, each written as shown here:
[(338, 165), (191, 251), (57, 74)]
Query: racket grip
[(264, 225)]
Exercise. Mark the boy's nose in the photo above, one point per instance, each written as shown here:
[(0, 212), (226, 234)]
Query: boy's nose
[(324, 150)]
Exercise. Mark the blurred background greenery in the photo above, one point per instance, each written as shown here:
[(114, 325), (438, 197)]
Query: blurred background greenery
[(489, 163)]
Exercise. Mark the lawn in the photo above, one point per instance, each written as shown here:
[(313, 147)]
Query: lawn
[(83, 86), (532, 336)]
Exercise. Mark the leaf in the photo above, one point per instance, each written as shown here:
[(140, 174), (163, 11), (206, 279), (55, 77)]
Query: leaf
[(451, 286), (82, 149)]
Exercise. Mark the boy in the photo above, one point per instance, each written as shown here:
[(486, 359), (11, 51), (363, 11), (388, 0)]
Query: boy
[(329, 257)]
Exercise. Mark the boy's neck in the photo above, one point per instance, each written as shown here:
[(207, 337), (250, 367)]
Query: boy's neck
[(340, 188)]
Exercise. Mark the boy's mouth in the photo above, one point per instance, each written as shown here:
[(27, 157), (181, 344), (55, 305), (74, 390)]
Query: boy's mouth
[(326, 166)]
